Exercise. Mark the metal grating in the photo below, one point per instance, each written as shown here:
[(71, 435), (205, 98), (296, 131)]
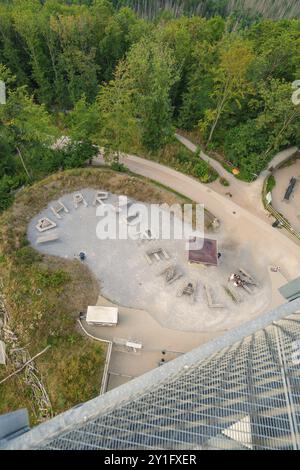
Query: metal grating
[(246, 396)]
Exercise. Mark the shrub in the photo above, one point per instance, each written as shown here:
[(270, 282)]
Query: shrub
[(27, 256), (224, 181), (200, 170), (52, 279), (7, 185), (117, 166), (183, 157), (271, 183)]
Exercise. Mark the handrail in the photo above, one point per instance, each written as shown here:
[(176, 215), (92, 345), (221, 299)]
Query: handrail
[(276, 214), (104, 380)]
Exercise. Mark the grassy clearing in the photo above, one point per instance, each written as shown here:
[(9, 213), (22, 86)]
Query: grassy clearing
[(44, 294)]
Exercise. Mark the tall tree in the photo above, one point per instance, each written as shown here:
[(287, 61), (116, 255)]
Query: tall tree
[(27, 126), (76, 63), (120, 129), (152, 68), (280, 118), (230, 80), (26, 18)]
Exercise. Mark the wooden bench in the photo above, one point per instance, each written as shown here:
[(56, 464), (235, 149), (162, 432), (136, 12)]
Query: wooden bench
[(49, 237), (210, 301)]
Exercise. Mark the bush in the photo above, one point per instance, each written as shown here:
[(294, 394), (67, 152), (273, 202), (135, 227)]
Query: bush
[(27, 256), (193, 165), (7, 185), (244, 146), (117, 166), (271, 183), (77, 154), (224, 181)]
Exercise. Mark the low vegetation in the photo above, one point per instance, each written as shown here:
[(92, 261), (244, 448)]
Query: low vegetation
[(224, 181), (176, 156), (102, 74), (271, 183)]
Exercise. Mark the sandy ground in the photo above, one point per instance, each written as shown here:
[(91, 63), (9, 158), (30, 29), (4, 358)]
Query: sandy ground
[(269, 245), (128, 280), (289, 209), (149, 311)]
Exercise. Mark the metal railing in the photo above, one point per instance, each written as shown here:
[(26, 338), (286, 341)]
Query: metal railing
[(104, 380), (276, 214)]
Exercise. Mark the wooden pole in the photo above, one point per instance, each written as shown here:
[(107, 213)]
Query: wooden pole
[(24, 365)]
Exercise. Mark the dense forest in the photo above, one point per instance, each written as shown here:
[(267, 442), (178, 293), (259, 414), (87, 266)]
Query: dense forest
[(102, 74), (275, 9)]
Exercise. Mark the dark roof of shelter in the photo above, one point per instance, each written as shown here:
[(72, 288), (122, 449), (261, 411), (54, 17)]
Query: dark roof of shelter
[(207, 254)]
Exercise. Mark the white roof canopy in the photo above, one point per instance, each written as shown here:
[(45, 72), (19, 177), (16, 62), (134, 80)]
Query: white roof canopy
[(107, 315)]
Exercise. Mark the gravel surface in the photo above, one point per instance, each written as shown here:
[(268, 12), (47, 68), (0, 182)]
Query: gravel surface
[(127, 279)]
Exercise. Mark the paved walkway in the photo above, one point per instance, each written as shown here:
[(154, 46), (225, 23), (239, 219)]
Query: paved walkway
[(138, 326), (289, 209), (247, 195), (243, 225)]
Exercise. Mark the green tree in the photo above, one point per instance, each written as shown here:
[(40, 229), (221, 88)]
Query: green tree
[(26, 19), (277, 46), (119, 127), (152, 69), (27, 125), (280, 118), (230, 81), (12, 52), (76, 61), (83, 121)]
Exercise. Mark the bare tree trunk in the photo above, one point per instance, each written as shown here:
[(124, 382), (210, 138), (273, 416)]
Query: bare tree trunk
[(24, 365), (23, 162), (220, 109)]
